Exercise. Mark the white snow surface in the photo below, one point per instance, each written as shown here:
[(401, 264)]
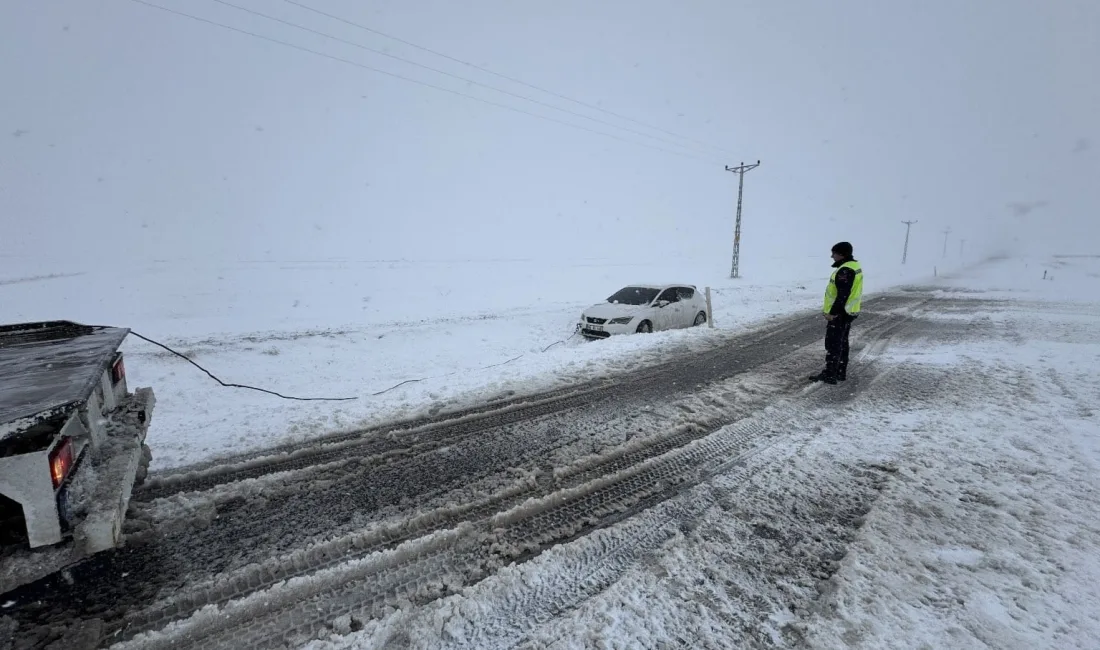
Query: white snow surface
[(460, 332), (984, 533)]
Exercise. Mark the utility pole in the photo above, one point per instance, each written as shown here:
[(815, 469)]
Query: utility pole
[(905, 251), (945, 234), (740, 171), (962, 247)]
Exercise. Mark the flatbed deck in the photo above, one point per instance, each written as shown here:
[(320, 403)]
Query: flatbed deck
[(48, 367)]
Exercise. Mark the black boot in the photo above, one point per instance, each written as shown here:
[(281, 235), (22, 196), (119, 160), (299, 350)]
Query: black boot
[(823, 377)]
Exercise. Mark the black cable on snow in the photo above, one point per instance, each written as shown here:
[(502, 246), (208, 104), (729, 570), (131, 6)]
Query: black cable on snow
[(560, 342), (318, 399), (231, 385)]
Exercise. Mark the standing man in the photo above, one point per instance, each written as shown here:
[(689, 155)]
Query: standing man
[(843, 296)]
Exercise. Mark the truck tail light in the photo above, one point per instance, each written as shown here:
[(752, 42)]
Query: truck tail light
[(118, 370), (61, 461)]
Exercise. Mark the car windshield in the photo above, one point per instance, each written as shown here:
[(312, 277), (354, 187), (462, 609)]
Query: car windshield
[(634, 296)]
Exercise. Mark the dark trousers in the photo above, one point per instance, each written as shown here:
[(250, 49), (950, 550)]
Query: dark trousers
[(836, 346)]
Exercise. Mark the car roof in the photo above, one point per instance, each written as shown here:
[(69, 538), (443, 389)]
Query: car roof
[(658, 286)]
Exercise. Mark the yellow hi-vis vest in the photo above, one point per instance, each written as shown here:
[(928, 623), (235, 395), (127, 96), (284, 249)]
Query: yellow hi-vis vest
[(855, 299)]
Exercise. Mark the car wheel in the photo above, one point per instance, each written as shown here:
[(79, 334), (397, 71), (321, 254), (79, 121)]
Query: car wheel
[(700, 318), (645, 327)]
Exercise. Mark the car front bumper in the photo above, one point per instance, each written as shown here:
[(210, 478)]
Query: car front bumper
[(606, 330)]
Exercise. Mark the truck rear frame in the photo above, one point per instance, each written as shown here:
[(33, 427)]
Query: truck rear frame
[(72, 445)]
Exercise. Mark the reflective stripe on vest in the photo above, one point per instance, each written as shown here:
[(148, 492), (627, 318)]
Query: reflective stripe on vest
[(855, 299)]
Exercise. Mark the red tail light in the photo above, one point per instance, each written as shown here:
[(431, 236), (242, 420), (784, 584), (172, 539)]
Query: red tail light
[(118, 371), (61, 461)]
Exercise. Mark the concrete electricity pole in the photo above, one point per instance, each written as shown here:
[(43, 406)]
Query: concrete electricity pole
[(962, 246), (905, 251), (740, 171), (945, 234)]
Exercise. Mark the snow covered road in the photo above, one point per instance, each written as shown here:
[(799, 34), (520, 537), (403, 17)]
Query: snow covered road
[(383, 487), (942, 496)]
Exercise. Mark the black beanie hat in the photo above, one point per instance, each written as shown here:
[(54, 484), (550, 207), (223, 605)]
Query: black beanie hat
[(843, 248)]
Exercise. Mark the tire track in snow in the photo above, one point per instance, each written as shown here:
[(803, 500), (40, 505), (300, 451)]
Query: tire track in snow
[(361, 544), (301, 610), (299, 613), (379, 538), (374, 442)]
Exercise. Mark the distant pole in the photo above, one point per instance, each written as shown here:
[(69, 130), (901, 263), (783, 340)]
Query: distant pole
[(945, 234), (905, 251), (962, 246), (740, 171)]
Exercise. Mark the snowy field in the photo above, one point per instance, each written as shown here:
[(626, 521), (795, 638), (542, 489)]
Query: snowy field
[(459, 332)]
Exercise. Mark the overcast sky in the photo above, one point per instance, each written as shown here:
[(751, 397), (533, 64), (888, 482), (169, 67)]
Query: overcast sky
[(124, 126)]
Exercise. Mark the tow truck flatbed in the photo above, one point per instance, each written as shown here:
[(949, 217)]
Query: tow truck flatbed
[(46, 368), (72, 446)]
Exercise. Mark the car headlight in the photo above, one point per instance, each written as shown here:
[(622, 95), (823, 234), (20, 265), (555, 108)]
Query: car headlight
[(620, 321)]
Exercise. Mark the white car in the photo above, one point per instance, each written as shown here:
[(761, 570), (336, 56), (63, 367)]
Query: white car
[(644, 309)]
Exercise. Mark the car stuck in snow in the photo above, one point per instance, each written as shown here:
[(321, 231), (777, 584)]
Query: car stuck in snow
[(644, 308)]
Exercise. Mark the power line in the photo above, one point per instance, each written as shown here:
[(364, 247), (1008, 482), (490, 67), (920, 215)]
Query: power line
[(448, 74), (416, 81), (503, 76)]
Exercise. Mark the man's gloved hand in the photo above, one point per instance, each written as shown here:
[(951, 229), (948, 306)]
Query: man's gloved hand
[(830, 316)]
